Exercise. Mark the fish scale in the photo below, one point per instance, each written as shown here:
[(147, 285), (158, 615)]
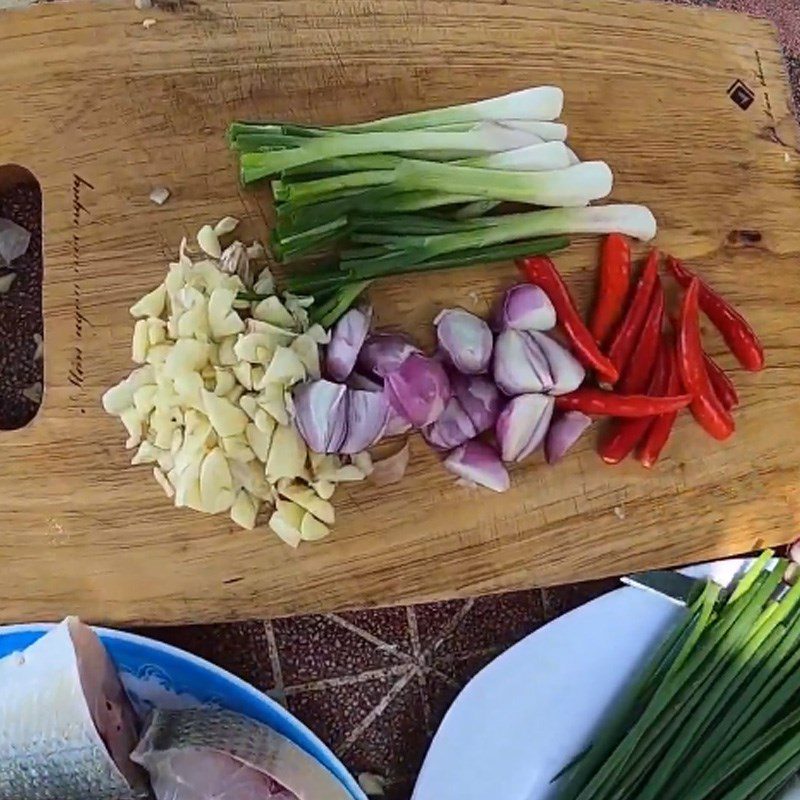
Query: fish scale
[(199, 753), (50, 747)]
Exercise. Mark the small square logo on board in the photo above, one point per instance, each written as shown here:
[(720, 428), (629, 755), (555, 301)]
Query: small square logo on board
[(741, 94)]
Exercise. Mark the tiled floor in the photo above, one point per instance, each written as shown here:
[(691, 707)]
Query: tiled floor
[(375, 684)]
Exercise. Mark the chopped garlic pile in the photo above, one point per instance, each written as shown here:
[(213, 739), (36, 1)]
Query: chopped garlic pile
[(210, 406)]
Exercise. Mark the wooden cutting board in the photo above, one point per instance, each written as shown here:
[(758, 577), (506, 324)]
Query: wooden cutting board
[(103, 109)]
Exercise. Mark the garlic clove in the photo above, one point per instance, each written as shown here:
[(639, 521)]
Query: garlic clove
[(236, 448), (244, 510), (209, 241), (225, 226), (152, 304), (287, 454), (216, 483), (286, 521), (307, 498), (226, 418), (163, 482), (259, 440), (271, 310), (312, 530)]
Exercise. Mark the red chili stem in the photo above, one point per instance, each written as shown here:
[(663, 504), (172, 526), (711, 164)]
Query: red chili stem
[(705, 406), (600, 403), (631, 326), (736, 331), (541, 271), (625, 434), (721, 383), (639, 370), (613, 285), (661, 429)]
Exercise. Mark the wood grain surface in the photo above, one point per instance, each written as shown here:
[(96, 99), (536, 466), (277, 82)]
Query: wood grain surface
[(102, 109)]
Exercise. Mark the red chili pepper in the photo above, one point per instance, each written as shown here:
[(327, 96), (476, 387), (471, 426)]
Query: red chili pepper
[(706, 406), (631, 327), (722, 384), (639, 369), (541, 271), (737, 333), (626, 433), (610, 404), (613, 285), (652, 445)]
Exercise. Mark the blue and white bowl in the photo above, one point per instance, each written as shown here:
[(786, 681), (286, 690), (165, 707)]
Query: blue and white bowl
[(157, 674)]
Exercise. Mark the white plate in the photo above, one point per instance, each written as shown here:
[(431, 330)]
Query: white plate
[(519, 721)]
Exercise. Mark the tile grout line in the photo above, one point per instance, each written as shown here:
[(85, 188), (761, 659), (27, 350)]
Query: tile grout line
[(380, 644), (278, 693), (450, 628), (345, 680), (382, 705), (422, 680)]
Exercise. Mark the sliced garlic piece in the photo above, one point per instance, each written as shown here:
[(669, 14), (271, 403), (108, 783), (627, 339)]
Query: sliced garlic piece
[(176, 276), (197, 433), (297, 306), (226, 354), (116, 399), (157, 354), (186, 355), (144, 399), (146, 454), (194, 321), (133, 424), (156, 331), (163, 482), (272, 399), (226, 418), (176, 443), (216, 483), (307, 351), (308, 499), (277, 334), (248, 404), (209, 241), (250, 476), (265, 283), (225, 226), (285, 367), (363, 461), (257, 348), (263, 421), (287, 454), (152, 304), (187, 486), (188, 390), (324, 489), (286, 521), (271, 310), (224, 381), (244, 374), (237, 448), (319, 334), (311, 529), (222, 319), (348, 473), (244, 510), (260, 440), (140, 343)]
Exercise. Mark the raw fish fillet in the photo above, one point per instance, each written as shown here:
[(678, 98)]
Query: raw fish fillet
[(66, 725), (211, 754)]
